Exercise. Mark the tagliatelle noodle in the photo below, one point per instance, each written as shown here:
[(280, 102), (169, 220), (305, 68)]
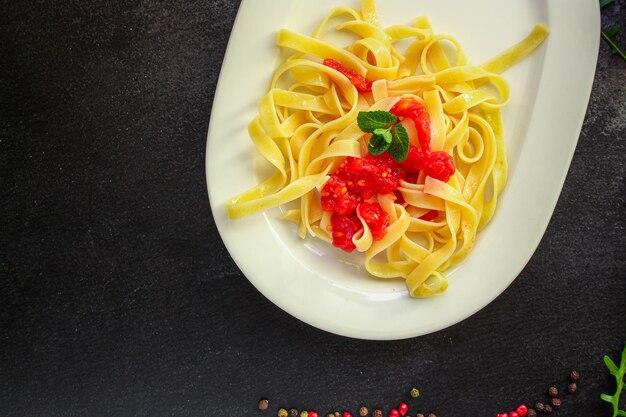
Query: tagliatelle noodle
[(306, 127)]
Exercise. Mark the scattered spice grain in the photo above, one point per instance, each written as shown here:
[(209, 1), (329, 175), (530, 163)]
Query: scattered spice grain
[(574, 376), (363, 411), (263, 404), (553, 392), (282, 413), (571, 388), (556, 402)]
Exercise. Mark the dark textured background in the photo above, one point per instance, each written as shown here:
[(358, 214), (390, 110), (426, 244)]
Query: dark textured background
[(118, 298)]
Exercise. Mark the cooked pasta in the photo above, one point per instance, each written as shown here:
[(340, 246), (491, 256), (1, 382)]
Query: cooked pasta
[(307, 128)]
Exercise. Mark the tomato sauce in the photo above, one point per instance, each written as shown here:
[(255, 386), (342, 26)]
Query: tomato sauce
[(359, 179)]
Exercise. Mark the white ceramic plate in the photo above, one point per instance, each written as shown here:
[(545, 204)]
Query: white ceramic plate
[(326, 287)]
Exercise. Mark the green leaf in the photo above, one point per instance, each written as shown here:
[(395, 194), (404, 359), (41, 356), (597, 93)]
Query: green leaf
[(611, 31), (605, 2), (607, 398), (611, 41), (378, 144), (611, 365), (399, 148), (379, 119), (621, 413), (385, 133)]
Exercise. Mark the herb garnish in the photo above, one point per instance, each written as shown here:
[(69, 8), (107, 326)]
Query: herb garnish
[(618, 373), (609, 33), (387, 134)]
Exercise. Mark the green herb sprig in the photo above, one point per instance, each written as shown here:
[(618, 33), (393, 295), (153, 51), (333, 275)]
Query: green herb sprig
[(618, 373), (609, 33), (387, 134)]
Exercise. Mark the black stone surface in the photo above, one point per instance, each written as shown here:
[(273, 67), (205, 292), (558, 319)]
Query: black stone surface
[(118, 298)]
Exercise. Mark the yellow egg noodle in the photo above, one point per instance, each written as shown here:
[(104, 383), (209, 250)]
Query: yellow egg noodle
[(306, 127)]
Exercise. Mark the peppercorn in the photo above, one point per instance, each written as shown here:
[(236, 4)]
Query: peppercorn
[(312, 414), (378, 413), (415, 392), (513, 414), (330, 415), (553, 392), (304, 414), (547, 408), (539, 407), (264, 404), (522, 410), (293, 413), (403, 408), (363, 411), (432, 415), (282, 413), (556, 402), (394, 413), (574, 376), (346, 414), (419, 415), (531, 413), (571, 388), (337, 414)]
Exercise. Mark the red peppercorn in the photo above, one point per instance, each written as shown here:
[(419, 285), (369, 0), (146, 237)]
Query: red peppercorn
[(346, 414), (522, 410), (313, 414), (513, 414), (502, 415), (394, 413), (403, 408)]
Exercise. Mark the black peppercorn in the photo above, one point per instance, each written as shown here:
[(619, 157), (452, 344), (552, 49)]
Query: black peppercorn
[(539, 407), (531, 413), (293, 412), (556, 402), (571, 388), (363, 411), (378, 413), (264, 404), (547, 408), (574, 376), (553, 392)]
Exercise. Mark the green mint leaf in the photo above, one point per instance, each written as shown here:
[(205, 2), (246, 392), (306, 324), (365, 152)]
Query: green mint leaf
[(378, 144), (604, 3), (371, 120), (385, 133), (399, 148)]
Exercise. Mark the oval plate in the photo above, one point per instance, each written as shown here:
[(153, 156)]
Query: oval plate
[(328, 288)]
